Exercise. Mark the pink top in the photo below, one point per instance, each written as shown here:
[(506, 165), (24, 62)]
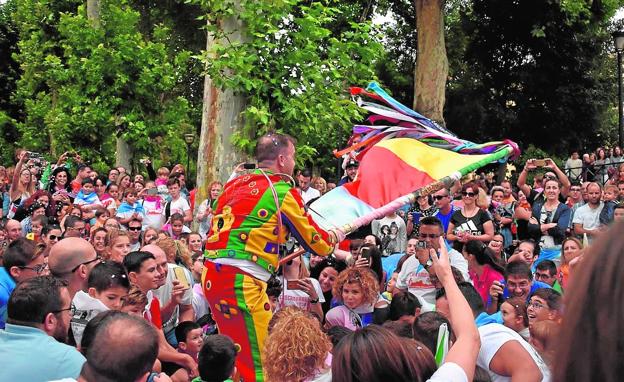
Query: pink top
[(484, 283)]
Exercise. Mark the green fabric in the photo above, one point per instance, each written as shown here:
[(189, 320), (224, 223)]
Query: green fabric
[(556, 286)]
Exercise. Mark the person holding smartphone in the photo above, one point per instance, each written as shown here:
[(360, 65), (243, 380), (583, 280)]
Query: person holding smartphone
[(300, 290)]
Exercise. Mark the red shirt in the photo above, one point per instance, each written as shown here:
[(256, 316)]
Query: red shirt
[(152, 313)]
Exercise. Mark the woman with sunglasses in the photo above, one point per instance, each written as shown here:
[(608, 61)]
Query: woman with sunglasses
[(470, 222)]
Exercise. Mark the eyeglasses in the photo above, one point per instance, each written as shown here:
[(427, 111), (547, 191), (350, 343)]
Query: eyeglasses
[(440, 197), (134, 228), (97, 258), (61, 310), (536, 305), (542, 276), (575, 190), (37, 268), (470, 194), (428, 235)]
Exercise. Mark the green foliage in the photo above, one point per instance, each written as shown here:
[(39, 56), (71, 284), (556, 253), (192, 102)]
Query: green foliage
[(535, 74), (9, 72), (83, 85), (294, 64)]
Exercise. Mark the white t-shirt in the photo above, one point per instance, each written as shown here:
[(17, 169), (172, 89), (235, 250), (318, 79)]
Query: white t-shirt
[(179, 206), (309, 194), (588, 218), (164, 296), (204, 225), (449, 372), (85, 308), (298, 298), (493, 337), (154, 214), (415, 278)]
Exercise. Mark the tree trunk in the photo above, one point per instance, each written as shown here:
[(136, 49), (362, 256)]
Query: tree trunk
[(221, 117), (93, 12), (123, 154), (431, 64)]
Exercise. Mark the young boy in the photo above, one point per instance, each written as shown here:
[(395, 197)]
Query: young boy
[(216, 359), (108, 286), (37, 225), (190, 338), (610, 198), (130, 209), (135, 302), (87, 200), (161, 180)]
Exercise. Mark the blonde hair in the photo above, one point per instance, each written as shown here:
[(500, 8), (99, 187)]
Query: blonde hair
[(135, 297), (296, 348), (163, 171), (111, 239), (175, 250), (323, 182), (362, 276)]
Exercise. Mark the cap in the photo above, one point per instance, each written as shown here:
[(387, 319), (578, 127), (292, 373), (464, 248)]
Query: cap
[(352, 163)]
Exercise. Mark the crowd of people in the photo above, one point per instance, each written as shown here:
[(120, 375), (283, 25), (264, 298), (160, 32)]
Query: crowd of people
[(126, 277)]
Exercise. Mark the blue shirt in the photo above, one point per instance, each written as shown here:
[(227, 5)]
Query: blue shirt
[(29, 354), (7, 284), (536, 285)]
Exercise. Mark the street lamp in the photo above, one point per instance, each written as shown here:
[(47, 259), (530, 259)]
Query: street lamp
[(618, 39), (189, 139)]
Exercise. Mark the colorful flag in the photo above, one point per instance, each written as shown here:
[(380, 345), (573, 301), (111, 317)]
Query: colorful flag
[(398, 159)]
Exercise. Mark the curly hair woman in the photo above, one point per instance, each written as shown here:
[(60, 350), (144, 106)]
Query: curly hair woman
[(358, 290), (296, 348)]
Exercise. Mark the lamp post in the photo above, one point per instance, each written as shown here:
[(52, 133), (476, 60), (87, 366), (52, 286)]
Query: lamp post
[(618, 39), (189, 139)]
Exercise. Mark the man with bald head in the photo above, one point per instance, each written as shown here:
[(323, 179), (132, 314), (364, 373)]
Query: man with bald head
[(176, 299), (13, 230), (72, 259)]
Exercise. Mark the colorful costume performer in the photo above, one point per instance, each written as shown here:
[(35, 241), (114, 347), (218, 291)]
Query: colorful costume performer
[(252, 218)]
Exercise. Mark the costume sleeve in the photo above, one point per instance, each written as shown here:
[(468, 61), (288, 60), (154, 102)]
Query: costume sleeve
[(301, 225)]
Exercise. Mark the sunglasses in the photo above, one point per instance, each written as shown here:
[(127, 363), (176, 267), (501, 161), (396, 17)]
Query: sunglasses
[(470, 194), (37, 269), (53, 237), (134, 228), (97, 258), (440, 197)]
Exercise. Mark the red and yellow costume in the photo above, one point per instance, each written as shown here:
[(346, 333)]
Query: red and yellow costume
[(253, 216)]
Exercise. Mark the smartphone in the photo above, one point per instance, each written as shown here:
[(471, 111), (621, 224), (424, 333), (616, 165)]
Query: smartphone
[(180, 275), (152, 191), (539, 162), (416, 218), (249, 166), (365, 253), (421, 244), (293, 284)]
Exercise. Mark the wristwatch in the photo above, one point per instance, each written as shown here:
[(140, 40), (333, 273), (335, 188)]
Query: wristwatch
[(315, 301)]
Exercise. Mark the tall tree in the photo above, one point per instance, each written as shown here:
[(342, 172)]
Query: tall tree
[(431, 62), (82, 85), (293, 71), (536, 74)]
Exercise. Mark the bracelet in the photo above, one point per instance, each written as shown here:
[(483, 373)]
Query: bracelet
[(315, 301)]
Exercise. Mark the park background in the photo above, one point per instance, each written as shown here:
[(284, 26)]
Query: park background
[(119, 81)]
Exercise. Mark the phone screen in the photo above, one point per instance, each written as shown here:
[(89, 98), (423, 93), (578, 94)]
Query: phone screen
[(293, 284), (180, 275), (365, 253), (152, 191)]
